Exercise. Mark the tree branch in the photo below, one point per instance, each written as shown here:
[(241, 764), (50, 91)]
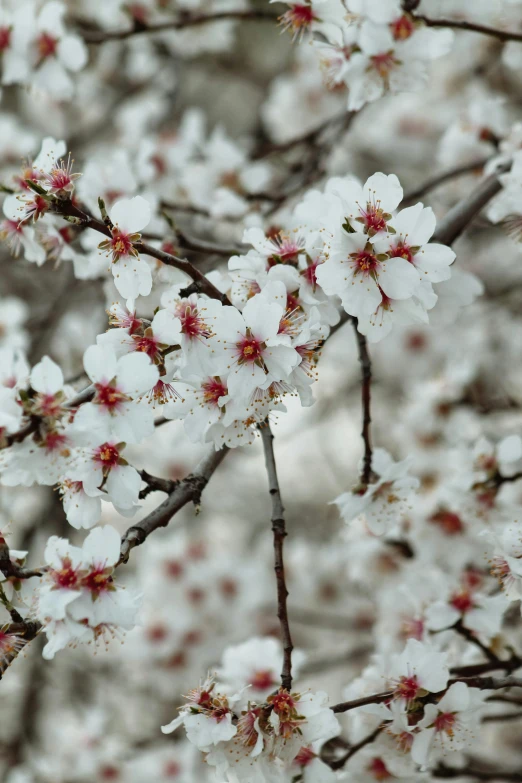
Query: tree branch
[(453, 224), (279, 530), (471, 27), (366, 370), (440, 179), (339, 763), (187, 490), (68, 209), (184, 21), (472, 639)]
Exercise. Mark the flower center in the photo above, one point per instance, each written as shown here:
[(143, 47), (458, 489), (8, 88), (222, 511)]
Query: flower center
[(402, 28), (365, 262), (120, 244), (445, 722), (147, 344), (67, 576), (48, 406), (192, 324), (109, 396), (298, 17), (373, 218), (98, 580), (249, 349), (284, 705), (407, 688), (262, 679), (5, 38), (305, 757), (378, 769), (450, 523), (107, 456), (47, 45), (462, 601), (402, 250), (212, 390), (383, 63)]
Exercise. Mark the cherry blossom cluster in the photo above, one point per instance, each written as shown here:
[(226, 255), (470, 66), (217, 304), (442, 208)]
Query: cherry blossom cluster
[(372, 47), (38, 49)]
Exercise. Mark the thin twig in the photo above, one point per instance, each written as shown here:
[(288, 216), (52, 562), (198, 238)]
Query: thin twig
[(471, 27), (252, 14), (366, 381), (339, 763), (472, 639), (443, 771), (68, 209), (375, 698), (279, 530), (187, 490), (440, 179)]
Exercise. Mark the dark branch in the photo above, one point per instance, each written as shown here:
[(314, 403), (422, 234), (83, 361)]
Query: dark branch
[(187, 490), (458, 218), (471, 27), (279, 530), (253, 14), (440, 179), (472, 639), (68, 209), (366, 381), (339, 763)]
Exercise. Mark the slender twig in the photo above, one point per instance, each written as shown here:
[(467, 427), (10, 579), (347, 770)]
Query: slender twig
[(443, 771), (279, 530), (156, 484), (366, 381), (472, 27), (440, 179), (483, 683), (475, 669), (187, 490), (501, 717), (339, 763), (252, 14), (375, 698), (470, 637), (68, 209)]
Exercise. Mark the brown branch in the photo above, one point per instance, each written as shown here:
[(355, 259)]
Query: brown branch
[(443, 771), (339, 763), (500, 718), (204, 246), (187, 490), (475, 669), (457, 220), (471, 27), (483, 683), (472, 639), (279, 530), (375, 698), (440, 179), (184, 21), (156, 484), (366, 381), (68, 209)]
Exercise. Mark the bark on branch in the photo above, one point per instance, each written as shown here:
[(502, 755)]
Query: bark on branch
[(279, 530)]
